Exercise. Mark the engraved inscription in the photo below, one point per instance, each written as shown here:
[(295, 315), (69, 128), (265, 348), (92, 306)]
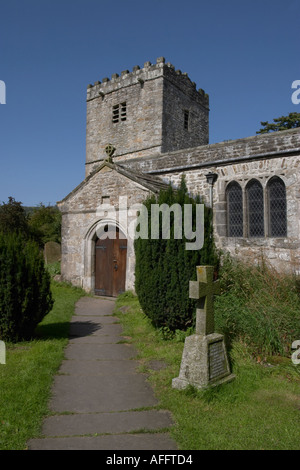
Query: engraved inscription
[(217, 361)]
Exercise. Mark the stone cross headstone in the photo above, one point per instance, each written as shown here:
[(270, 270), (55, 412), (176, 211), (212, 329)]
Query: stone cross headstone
[(204, 359), (203, 290)]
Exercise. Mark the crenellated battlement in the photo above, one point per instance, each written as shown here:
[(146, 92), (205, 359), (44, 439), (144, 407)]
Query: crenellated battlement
[(146, 111), (139, 76)]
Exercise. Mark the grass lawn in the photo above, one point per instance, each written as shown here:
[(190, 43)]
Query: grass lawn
[(26, 378), (259, 410)]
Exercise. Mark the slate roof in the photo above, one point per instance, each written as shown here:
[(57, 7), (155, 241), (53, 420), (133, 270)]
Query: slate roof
[(153, 183)]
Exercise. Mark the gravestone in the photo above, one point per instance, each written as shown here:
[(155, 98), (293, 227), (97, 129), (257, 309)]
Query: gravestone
[(52, 252), (2, 353), (204, 360)]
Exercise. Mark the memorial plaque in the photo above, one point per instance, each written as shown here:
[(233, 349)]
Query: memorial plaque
[(217, 360)]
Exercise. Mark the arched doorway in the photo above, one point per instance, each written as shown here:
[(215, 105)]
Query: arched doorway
[(110, 262)]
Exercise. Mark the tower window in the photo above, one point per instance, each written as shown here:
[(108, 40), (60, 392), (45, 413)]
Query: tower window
[(116, 112), (119, 112), (186, 119), (123, 111)]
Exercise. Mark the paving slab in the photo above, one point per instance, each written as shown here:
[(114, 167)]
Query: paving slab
[(101, 352), (96, 320), (81, 330), (96, 367), (94, 306), (101, 393), (103, 423), (133, 442)]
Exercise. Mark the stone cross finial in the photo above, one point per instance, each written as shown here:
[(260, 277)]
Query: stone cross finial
[(204, 290), (109, 150)]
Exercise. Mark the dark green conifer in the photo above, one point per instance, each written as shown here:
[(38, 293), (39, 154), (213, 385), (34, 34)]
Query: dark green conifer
[(165, 267), (25, 295)]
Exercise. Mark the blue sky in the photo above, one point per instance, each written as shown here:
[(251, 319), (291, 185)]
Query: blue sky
[(244, 54)]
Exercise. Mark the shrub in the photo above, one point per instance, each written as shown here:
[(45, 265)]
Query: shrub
[(25, 296), (45, 224), (259, 306), (164, 267), (13, 217)]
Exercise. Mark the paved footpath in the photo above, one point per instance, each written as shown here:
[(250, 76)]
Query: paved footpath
[(97, 392)]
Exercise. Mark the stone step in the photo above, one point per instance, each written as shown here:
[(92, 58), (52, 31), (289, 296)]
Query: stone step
[(120, 442)]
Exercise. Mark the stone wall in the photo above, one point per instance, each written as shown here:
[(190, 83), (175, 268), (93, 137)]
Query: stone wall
[(258, 147), (178, 100), (260, 157), (83, 210), (282, 253)]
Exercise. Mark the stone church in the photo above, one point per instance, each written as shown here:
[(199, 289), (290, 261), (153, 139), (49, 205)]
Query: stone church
[(147, 128)]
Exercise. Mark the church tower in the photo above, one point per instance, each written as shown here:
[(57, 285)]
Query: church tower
[(145, 112)]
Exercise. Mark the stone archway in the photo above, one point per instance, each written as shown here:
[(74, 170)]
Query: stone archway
[(110, 262)]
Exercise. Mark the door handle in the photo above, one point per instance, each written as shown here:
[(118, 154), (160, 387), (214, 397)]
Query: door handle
[(115, 267)]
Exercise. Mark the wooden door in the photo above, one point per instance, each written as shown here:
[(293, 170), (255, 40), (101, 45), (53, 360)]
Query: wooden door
[(110, 265)]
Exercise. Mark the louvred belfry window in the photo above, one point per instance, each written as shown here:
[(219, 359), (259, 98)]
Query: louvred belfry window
[(119, 112)]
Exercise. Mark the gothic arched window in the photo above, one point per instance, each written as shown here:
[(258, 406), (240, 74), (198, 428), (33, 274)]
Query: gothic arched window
[(255, 209), (277, 207), (234, 197)]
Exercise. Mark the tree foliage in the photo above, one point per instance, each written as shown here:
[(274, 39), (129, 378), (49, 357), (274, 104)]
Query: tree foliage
[(280, 124), (45, 224), (164, 267), (13, 217), (25, 295)]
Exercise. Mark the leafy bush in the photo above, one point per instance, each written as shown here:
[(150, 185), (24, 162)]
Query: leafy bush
[(259, 306), (164, 267), (13, 217), (25, 296), (45, 224)]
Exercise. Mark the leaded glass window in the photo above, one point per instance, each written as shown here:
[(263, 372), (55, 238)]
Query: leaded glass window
[(234, 210), (255, 207), (277, 208)]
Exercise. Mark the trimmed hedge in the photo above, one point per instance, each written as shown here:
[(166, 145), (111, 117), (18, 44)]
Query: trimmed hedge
[(25, 295), (165, 267)]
